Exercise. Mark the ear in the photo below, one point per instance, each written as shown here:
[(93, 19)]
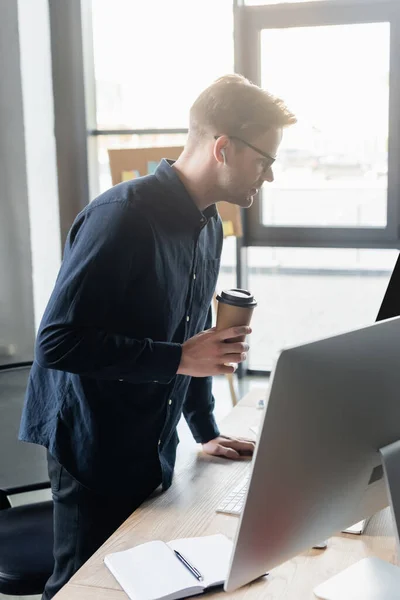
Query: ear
[(220, 148)]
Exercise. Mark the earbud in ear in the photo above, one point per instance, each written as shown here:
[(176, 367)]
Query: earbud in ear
[(223, 155)]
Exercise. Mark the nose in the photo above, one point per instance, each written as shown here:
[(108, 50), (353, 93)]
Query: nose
[(269, 175)]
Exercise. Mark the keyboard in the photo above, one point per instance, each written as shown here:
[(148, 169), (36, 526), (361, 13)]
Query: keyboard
[(233, 503)]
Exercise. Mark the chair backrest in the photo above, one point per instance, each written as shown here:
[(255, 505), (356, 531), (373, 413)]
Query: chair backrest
[(23, 466)]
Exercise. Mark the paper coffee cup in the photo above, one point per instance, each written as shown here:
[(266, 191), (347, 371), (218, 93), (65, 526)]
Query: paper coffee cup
[(235, 308)]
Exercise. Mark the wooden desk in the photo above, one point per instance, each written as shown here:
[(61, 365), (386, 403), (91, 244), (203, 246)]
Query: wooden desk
[(188, 509)]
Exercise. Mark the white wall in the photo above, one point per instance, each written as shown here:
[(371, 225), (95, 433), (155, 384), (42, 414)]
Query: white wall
[(40, 148), (16, 296)]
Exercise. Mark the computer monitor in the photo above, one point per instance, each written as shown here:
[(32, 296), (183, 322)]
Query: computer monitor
[(390, 306), (333, 411)]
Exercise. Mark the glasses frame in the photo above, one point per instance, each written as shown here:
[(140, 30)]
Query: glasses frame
[(265, 155)]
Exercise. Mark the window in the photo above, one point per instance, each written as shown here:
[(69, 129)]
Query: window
[(153, 58), (332, 166), (336, 178), (150, 62), (306, 294)]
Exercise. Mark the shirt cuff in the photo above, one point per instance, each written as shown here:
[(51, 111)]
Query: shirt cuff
[(164, 362), (205, 429)]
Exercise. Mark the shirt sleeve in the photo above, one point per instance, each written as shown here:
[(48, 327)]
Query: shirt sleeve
[(107, 247), (199, 404)]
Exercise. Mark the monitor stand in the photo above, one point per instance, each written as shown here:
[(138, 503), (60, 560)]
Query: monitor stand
[(372, 578)]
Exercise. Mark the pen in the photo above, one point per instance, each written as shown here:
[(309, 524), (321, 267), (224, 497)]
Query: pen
[(190, 567)]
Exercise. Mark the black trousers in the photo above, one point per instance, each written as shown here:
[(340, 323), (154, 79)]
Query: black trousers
[(83, 520)]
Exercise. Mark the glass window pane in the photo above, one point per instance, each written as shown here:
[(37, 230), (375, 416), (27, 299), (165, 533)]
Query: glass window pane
[(305, 294), (153, 58), (332, 165)]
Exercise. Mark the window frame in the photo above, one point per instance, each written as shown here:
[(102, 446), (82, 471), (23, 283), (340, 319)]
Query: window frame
[(254, 19)]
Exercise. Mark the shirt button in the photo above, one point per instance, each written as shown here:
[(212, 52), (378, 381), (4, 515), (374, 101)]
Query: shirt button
[(188, 318), (170, 401), (159, 442), (194, 275), (120, 379), (202, 220)]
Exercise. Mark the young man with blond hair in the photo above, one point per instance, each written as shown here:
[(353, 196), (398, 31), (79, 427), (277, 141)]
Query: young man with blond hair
[(125, 345)]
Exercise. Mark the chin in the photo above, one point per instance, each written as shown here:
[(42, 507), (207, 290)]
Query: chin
[(243, 201)]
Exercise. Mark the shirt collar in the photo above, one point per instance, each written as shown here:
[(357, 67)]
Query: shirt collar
[(180, 199)]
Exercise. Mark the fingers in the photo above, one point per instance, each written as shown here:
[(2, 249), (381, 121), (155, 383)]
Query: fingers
[(233, 332), (234, 353), (227, 452), (234, 348), (235, 358), (207, 354), (225, 369), (239, 445)]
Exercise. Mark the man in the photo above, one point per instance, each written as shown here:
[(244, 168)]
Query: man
[(125, 343)]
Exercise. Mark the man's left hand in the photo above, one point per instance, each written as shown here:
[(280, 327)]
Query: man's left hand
[(228, 447)]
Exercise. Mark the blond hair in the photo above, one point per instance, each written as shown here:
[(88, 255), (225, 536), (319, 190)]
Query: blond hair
[(232, 105)]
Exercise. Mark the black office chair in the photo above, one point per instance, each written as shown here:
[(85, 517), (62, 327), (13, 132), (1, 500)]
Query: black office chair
[(26, 532)]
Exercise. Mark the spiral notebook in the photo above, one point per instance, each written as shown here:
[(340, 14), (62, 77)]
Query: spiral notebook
[(152, 571)]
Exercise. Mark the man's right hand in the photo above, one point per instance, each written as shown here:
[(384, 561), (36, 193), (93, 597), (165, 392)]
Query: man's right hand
[(207, 353)]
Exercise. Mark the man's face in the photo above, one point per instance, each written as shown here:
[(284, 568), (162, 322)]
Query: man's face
[(247, 168)]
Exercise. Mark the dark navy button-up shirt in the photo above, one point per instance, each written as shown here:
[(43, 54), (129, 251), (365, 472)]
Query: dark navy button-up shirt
[(137, 279)]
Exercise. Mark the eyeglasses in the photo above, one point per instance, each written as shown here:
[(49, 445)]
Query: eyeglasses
[(269, 159)]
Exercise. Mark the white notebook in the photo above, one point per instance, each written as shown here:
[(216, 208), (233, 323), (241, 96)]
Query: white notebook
[(152, 571)]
